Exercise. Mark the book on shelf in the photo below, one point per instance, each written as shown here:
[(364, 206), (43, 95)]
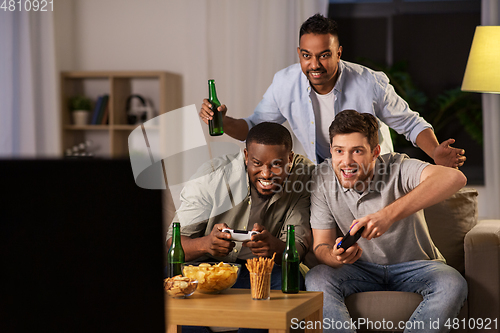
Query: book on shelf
[(96, 110), (99, 110), (102, 110), (105, 117)]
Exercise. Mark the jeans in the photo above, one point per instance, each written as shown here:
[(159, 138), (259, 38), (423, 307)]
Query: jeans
[(443, 290), (243, 282)]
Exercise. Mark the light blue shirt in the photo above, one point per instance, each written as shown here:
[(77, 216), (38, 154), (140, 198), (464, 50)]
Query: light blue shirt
[(358, 88)]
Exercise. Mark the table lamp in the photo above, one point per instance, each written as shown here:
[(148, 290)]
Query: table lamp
[(482, 73)]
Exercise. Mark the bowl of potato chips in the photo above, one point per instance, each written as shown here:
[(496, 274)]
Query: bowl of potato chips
[(180, 286), (212, 277)]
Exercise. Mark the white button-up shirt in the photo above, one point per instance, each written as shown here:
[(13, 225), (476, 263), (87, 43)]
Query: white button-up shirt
[(358, 88)]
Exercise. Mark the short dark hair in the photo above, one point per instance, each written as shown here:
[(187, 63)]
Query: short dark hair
[(320, 25), (268, 133), (350, 121)]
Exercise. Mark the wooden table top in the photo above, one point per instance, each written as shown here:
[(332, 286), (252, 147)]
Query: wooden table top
[(235, 308)]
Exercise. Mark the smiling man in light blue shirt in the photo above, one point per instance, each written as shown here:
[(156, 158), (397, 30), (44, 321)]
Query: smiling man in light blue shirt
[(309, 94)]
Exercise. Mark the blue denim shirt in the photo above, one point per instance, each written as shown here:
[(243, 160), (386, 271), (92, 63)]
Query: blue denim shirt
[(358, 88)]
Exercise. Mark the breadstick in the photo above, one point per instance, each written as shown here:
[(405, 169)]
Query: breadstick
[(260, 268)]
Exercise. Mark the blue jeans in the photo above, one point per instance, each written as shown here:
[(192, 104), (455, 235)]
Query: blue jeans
[(443, 288), (243, 282)]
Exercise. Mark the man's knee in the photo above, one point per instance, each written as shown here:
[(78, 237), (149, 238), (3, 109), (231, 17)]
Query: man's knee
[(451, 283), (316, 277), (456, 284)]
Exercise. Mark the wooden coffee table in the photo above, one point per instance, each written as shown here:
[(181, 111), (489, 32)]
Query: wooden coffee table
[(235, 308)]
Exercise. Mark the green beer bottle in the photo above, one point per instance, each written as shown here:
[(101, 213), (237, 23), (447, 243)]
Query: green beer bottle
[(175, 256), (290, 274), (214, 124)]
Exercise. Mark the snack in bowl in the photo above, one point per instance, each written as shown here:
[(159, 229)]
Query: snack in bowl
[(180, 286), (212, 278)]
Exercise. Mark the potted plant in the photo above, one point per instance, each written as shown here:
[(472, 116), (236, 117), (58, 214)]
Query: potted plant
[(80, 107)]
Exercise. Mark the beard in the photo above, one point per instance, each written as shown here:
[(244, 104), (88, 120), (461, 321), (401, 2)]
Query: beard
[(261, 196)]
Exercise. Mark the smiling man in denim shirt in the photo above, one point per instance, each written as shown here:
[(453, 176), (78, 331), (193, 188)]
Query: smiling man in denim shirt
[(309, 94)]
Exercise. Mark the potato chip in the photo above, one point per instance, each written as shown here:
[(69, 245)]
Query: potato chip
[(212, 278), (180, 286)]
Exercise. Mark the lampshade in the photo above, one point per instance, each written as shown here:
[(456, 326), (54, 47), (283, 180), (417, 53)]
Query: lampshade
[(482, 73)]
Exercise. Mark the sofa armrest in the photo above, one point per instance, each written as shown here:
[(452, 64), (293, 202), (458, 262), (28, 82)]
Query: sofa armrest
[(482, 269)]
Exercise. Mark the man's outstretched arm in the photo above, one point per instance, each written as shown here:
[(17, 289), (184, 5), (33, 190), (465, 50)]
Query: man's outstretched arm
[(235, 128), (437, 183), (442, 154)]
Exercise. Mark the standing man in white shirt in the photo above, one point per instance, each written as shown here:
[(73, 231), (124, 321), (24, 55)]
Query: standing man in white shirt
[(309, 94)]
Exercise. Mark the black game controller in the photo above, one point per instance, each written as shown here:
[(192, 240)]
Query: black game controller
[(349, 240), (240, 235)]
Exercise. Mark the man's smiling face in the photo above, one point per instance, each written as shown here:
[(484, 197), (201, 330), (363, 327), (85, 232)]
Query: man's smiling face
[(267, 167), (319, 56), (353, 160)]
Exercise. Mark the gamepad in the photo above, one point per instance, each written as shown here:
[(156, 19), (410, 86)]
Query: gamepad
[(240, 235), (349, 240)]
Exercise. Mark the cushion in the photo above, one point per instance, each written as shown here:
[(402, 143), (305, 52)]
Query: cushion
[(374, 305), (448, 223)]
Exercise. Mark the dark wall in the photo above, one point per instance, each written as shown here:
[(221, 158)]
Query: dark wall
[(436, 48), (363, 37)]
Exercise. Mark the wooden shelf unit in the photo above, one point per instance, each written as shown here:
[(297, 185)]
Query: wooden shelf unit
[(162, 87)]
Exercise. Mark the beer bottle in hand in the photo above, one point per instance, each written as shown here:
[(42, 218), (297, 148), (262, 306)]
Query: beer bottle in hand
[(175, 256), (214, 124), (290, 274)]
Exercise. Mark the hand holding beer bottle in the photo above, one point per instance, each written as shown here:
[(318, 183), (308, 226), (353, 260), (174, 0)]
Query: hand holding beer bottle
[(234, 127), (206, 112), (212, 112)]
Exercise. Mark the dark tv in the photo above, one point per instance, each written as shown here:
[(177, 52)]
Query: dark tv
[(80, 248)]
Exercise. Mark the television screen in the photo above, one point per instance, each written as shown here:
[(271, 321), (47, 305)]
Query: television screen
[(81, 248)]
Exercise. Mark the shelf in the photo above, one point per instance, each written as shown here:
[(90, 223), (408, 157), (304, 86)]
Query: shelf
[(86, 127), (162, 88), (116, 74), (100, 127), (125, 127)]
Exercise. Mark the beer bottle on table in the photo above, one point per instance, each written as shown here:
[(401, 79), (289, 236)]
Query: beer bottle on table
[(175, 256), (214, 124), (290, 274)]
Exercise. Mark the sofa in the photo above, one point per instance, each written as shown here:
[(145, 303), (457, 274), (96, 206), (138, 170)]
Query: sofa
[(471, 247)]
